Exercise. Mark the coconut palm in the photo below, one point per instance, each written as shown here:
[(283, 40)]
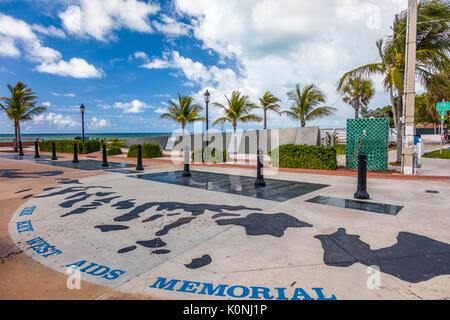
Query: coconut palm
[(305, 104), (357, 93), (184, 112), (269, 103), (21, 106), (431, 56), (237, 109)]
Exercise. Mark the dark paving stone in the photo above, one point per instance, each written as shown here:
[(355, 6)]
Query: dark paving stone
[(357, 204), (414, 258), (275, 190), (17, 174), (127, 249), (256, 224), (199, 262), (111, 227), (26, 156), (176, 224), (87, 164), (155, 243)]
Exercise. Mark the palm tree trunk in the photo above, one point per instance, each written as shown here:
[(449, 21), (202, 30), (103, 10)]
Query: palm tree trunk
[(399, 127), (303, 122), (356, 112), (265, 119), (394, 114), (16, 142), (18, 132)]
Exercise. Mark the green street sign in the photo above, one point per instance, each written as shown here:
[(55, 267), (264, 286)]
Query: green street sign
[(442, 113), (443, 106)]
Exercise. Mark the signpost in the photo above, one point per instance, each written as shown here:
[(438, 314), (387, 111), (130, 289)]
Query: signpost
[(442, 107)]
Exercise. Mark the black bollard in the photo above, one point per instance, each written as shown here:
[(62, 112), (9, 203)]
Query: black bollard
[(54, 157), (36, 150), (20, 149), (259, 167), (361, 192), (75, 153), (139, 158), (187, 171), (105, 160)]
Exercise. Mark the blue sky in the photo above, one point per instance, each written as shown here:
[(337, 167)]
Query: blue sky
[(125, 59)]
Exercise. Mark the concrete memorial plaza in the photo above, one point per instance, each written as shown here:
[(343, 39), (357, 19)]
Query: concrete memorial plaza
[(156, 234)]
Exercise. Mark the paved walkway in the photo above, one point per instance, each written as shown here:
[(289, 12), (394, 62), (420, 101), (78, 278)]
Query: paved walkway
[(133, 237)]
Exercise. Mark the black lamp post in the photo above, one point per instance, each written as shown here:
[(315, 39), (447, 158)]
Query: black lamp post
[(207, 95), (82, 108)]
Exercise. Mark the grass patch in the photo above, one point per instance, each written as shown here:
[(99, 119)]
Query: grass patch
[(437, 154)]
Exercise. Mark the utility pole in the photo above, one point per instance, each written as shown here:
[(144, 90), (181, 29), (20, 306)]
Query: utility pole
[(410, 94)]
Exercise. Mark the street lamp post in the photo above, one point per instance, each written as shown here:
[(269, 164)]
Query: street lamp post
[(82, 108), (207, 95)]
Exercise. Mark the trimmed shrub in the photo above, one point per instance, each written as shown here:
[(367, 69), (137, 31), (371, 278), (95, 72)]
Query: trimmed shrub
[(149, 150), (113, 151), (66, 146), (215, 155), (304, 156)]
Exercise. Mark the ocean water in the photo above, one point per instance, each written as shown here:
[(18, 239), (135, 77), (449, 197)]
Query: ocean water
[(62, 136)]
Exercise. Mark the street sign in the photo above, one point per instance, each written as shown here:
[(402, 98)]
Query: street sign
[(442, 113), (443, 106)]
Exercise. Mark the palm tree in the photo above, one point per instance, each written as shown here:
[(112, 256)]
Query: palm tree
[(269, 103), (357, 93), (184, 112), (431, 56), (237, 109), (21, 106), (305, 104)]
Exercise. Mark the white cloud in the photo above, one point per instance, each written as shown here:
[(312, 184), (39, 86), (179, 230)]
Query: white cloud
[(14, 31), (71, 95), (156, 63), (135, 106), (56, 119), (7, 48), (46, 104), (171, 27), (161, 110), (99, 18), (76, 68), (50, 31), (97, 123)]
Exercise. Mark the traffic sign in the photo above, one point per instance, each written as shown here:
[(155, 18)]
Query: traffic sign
[(442, 113), (443, 106)]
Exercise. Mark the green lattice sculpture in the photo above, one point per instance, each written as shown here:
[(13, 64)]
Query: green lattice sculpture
[(370, 136)]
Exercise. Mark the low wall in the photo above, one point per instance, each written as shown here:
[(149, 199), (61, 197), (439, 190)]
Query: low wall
[(161, 141), (247, 141), (11, 144)]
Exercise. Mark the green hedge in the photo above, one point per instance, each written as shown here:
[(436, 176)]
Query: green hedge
[(304, 156), (149, 150), (66, 146), (215, 155), (113, 151)]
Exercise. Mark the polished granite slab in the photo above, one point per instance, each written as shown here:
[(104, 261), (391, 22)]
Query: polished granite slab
[(357, 205), (86, 164), (26, 156), (275, 190)]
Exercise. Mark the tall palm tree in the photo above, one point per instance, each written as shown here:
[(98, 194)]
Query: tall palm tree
[(237, 109), (305, 104), (431, 56), (269, 103), (21, 106), (357, 93), (184, 112)]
